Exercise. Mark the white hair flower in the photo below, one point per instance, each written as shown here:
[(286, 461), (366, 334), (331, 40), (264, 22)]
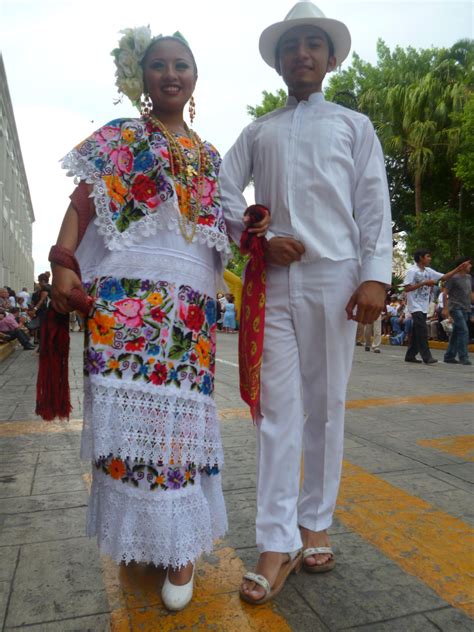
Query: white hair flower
[(128, 57)]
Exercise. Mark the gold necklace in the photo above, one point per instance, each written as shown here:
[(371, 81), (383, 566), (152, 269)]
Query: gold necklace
[(183, 173)]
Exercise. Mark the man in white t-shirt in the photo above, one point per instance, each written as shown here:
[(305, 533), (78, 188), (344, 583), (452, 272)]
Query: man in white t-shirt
[(418, 283), (25, 295)]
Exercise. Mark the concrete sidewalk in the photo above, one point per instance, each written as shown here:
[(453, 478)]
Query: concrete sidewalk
[(401, 535)]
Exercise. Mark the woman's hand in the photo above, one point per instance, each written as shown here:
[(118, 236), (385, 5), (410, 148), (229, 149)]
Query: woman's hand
[(258, 228), (64, 280)]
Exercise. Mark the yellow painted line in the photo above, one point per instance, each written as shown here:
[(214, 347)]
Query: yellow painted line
[(436, 399), (14, 428), (421, 539), (462, 445)]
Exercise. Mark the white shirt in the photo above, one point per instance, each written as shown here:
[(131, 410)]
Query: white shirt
[(26, 296), (319, 168), (419, 300)]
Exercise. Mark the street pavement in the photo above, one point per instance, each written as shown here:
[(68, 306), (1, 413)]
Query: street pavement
[(402, 534)]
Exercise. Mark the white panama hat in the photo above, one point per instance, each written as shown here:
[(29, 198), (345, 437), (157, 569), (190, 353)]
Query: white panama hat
[(305, 13)]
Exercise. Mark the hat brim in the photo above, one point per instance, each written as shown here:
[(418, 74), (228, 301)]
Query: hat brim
[(337, 31)]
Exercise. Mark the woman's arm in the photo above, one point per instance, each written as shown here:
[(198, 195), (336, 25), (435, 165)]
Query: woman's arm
[(65, 280)]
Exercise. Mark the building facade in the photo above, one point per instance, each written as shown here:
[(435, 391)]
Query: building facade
[(16, 210)]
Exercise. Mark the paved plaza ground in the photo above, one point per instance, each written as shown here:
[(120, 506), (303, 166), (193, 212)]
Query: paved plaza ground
[(401, 535)]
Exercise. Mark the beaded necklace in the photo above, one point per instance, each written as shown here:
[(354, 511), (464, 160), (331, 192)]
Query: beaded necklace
[(184, 172)]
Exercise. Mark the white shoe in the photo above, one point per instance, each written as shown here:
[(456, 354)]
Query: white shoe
[(177, 597)]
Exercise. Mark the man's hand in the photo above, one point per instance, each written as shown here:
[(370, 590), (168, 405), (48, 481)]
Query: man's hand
[(429, 282), (367, 302), (282, 251), (64, 280)]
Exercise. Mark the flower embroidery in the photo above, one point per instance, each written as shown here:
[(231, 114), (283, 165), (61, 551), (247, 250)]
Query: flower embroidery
[(159, 373), (152, 476), (131, 157), (155, 334), (101, 328), (130, 312), (117, 468), (94, 362), (115, 188), (122, 158), (194, 318)]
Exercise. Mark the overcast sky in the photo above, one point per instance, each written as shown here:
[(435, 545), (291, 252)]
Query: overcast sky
[(61, 75)]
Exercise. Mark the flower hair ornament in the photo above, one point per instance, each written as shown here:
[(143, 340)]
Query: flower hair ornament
[(128, 58)]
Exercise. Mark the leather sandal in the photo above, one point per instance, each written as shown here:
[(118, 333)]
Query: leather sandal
[(319, 568), (292, 565)]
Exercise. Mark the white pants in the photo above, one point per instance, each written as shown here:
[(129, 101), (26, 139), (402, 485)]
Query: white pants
[(307, 359)]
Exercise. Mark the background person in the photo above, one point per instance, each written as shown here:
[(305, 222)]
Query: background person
[(418, 282), (459, 290)]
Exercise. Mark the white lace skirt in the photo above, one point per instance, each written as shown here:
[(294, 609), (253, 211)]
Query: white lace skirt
[(150, 424), (168, 528)]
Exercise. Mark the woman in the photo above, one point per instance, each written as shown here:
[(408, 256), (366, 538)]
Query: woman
[(230, 324), (150, 259)]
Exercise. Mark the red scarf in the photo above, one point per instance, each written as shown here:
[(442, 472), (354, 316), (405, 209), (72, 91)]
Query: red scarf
[(252, 313), (53, 398)]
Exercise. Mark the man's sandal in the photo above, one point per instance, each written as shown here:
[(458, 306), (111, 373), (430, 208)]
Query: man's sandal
[(292, 565), (319, 568)]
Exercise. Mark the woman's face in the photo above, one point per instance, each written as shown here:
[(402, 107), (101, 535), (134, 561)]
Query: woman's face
[(169, 76)]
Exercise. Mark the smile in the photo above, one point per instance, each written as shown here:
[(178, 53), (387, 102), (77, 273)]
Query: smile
[(170, 89)]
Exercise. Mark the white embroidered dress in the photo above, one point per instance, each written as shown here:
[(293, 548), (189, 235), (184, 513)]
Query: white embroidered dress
[(150, 423)]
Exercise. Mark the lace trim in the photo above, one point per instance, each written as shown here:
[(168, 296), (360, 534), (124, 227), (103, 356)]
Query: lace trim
[(170, 529), (80, 167), (165, 425)]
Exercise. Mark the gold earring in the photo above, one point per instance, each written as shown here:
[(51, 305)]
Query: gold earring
[(146, 105), (192, 109)]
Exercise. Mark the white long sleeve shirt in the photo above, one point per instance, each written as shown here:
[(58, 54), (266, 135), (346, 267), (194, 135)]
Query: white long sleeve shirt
[(319, 168)]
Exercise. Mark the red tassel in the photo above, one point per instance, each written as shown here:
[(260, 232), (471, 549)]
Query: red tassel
[(52, 387)]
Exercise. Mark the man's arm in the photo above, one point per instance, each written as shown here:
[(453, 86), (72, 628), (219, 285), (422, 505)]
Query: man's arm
[(460, 268), (373, 217), (234, 176)]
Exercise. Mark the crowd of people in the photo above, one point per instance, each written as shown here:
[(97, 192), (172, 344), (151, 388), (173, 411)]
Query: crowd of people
[(442, 306), (22, 313)]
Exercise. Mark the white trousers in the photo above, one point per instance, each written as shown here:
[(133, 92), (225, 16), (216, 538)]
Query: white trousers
[(307, 360)]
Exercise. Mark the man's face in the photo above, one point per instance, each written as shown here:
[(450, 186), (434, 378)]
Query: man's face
[(303, 59), (3, 293), (425, 260)]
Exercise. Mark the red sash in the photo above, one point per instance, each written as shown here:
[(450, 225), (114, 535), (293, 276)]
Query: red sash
[(252, 314)]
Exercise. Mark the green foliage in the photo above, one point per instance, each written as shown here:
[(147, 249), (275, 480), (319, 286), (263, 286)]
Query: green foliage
[(269, 103), (238, 261), (464, 167), (447, 232)]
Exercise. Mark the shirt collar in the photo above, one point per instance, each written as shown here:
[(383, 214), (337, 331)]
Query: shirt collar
[(315, 97)]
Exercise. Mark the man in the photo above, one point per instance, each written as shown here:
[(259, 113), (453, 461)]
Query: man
[(418, 282), (319, 169), (459, 289), (5, 299), (25, 295), (10, 329)]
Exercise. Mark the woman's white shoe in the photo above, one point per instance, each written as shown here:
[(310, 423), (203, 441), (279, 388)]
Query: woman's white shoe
[(177, 597)]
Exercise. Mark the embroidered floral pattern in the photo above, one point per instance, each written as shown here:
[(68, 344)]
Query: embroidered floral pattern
[(152, 476), (152, 332), (132, 158)]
